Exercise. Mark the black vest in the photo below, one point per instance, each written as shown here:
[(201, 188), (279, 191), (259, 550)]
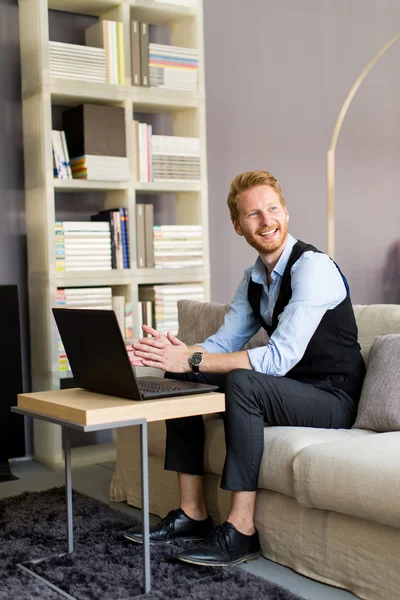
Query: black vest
[(332, 357)]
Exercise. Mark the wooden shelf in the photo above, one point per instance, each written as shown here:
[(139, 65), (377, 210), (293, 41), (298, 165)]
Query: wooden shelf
[(159, 13), (155, 99), (84, 185), (95, 278), (158, 276), (41, 92), (83, 7), (167, 188), (71, 92)]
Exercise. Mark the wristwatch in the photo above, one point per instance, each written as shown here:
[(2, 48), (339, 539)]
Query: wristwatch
[(195, 360)]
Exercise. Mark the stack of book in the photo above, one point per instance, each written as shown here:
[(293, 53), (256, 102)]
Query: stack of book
[(175, 158), (164, 158), (82, 246), (165, 303), (71, 61), (118, 219), (100, 168), (109, 36), (95, 298), (173, 67), (61, 163), (96, 141), (178, 246)]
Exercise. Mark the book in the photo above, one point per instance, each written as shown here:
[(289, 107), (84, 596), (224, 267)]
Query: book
[(59, 156), (144, 53), (149, 242), (140, 237), (110, 36), (95, 130), (135, 53)]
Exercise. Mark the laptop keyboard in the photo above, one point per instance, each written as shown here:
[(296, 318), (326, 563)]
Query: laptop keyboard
[(148, 386)]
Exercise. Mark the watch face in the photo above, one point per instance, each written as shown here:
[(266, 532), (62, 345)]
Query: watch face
[(196, 359)]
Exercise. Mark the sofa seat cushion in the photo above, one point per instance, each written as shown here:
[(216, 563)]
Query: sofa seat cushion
[(283, 444), (281, 447), (357, 476)]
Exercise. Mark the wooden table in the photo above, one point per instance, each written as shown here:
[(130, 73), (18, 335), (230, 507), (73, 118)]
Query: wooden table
[(86, 411)]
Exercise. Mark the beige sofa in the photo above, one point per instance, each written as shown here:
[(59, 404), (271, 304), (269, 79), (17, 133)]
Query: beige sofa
[(328, 503)]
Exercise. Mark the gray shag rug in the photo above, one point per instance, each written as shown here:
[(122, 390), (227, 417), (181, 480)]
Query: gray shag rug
[(104, 565)]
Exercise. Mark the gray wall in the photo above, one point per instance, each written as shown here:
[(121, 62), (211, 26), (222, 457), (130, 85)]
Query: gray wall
[(277, 74)]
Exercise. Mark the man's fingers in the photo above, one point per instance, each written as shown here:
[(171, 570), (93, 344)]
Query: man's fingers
[(147, 329), (147, 349), (154, 343), (174, 340), (149, 356)]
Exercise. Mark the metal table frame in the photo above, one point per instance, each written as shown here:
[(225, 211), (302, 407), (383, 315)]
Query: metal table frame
[(66, 427)]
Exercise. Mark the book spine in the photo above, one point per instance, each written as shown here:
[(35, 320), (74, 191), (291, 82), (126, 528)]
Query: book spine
[(66, 154), (121, 55), (140, 236), (144, 53), (58, 152), (148, 224), (135, 53), (124, 232), (136, 151)]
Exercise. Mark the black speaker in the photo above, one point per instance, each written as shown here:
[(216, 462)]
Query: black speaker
[(12, 436)]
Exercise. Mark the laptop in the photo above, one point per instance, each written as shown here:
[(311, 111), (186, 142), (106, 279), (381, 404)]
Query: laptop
[(99, 361)]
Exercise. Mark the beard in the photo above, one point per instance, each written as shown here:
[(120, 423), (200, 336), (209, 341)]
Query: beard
[(265, 246)]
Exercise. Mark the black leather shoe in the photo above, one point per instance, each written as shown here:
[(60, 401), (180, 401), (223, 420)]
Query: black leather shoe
[(176, 525), (224, 547)]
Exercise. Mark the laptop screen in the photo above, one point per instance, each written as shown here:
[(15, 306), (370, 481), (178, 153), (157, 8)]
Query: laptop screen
[(96, 351)]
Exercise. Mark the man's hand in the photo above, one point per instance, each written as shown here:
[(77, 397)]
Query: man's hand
[(160, 351)]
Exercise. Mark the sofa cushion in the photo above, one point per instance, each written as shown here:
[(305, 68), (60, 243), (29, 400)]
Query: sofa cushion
[(373, 320), (379, 407), (199, 320), (357, 476), (283, 444)]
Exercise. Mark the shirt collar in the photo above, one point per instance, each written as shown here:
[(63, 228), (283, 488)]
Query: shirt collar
[(258, 274)]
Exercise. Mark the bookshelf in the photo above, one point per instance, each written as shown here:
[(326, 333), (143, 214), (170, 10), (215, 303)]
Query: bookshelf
[(41, 91)]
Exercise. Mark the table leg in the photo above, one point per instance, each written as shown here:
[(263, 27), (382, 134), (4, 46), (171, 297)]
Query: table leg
[(145, 507), (68, 487)]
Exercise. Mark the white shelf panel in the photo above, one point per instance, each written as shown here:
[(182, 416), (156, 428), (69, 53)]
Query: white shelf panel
[(95, 278), (84, 185), (166, 188), (155, 276), (69, 92), (154, 99), (83, 7), (159, 13)]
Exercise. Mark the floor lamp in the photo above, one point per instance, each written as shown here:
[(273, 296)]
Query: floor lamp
[(332, 147)]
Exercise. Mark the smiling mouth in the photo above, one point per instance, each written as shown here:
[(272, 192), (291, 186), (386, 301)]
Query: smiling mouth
[(268, 234)]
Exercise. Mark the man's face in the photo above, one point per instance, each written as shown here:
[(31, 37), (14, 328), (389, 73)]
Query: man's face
[(262, 220)]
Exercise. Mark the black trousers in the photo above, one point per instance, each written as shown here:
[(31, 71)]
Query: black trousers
[(252, 400)]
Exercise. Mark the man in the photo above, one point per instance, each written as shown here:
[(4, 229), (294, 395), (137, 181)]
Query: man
[(309, 375)]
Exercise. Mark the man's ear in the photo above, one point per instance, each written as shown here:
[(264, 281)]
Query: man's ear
[(287, 215), (237, 227)]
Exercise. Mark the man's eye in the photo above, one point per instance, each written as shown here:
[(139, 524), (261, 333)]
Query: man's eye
[(273, 208)]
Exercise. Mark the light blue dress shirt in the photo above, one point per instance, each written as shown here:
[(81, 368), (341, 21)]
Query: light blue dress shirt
[(317, 286)]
